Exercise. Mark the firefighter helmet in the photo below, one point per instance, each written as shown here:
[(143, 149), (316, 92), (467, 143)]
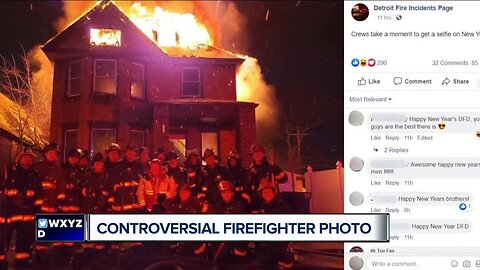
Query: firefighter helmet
[(27, 151), (97, 157), (131, 147), (225, 185), (256, 148), (234, 155), (192, 152), (156, 160), (75, 152), (52, 146), (160, 150), (266, 183), (208, 153), (85, 154), (113, 147), (171, 155)]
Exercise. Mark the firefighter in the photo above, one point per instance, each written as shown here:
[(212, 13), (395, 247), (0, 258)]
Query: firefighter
[(212, 174), (144, 159), (156, 189), (84, 158), (71, 203), (155, 194), (239, 176), (278, 253), (228, 204), (133, 172), (186, 203), (95, 187), (84, 164), (72, 200), (119, 198), (237, 171), (178, 173), (94, 191), (52, 179), (230, 252), (23, 191), (194, 170), (161, 155), (262, 169)]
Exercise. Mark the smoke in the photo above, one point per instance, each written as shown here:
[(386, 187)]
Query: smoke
[(42, 71), (230, 33), (42, 89), (228, 28), (73, 10), (252, 87)]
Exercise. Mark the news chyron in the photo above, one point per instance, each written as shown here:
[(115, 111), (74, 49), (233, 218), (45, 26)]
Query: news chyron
[(212, 227), (60, 228)]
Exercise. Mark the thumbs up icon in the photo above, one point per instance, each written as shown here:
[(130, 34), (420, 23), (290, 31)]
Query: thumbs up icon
[(362, 81)]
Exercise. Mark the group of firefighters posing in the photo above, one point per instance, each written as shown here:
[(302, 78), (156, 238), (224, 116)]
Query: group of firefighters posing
[(135, 183)]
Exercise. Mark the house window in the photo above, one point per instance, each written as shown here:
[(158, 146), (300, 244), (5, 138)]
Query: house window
[(102, 138), (137, 86), (74, 78), (210, 140), (70, 141), (191, 82), (105, 37), (137, 138), (105, 76)]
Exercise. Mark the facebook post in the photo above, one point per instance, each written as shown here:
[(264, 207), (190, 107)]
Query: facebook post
[(412, 132), (204, 135)]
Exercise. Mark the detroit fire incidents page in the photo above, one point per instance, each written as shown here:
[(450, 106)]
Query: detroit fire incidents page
[(412, 131)]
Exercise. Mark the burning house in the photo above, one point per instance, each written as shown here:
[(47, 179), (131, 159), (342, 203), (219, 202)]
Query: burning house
[(117, 81)]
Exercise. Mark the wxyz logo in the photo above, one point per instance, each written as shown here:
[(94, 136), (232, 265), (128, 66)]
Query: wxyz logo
[(65, 223)]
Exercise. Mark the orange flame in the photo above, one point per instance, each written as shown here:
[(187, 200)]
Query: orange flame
[(169, 29), (105, 37), (251, 86)]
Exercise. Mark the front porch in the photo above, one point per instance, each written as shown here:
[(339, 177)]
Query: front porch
[(198, 123)]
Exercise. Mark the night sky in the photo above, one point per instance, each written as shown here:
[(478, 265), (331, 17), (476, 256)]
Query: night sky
[(299, 47)]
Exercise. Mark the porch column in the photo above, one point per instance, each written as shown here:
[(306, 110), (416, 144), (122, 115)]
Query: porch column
[(247, 131)]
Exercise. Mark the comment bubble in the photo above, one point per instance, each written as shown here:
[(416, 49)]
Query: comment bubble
[(397, 80), (433, 167), (420, 198), (431, 226), (421, 123)]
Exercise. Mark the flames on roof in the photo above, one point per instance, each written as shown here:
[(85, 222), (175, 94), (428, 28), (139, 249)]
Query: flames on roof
[(250, 83)]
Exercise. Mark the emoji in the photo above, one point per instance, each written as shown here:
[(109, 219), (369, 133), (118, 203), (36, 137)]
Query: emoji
[(478, 133), (371, 62), (441, 126), (355, 62), (363, 62)]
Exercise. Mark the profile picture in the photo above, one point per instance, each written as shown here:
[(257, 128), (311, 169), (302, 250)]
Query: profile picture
[(360, 12), (356, 249), (356, 164), (356, 118)]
